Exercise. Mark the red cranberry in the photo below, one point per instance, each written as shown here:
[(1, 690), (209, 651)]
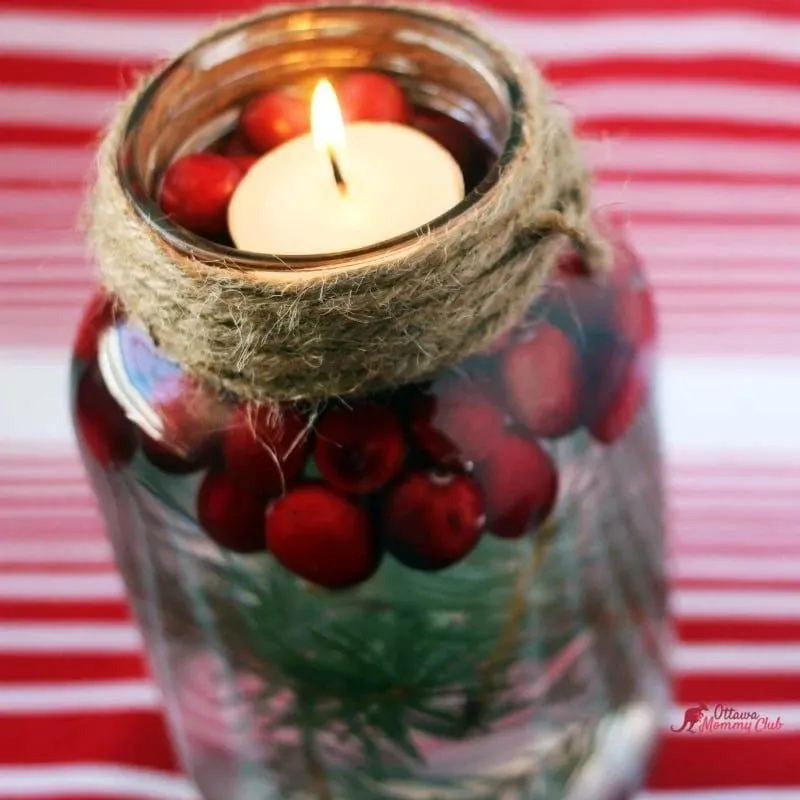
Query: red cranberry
[(620, 411), (264, 450), (542, 377), (451, 134), (244, 162), (107, 433), (322, 536), (274, 118), (432, 520), (359, 449), (459, 426), (571, 265), (372, 96), (519, 485), (99, 315), (196, 191), (635, 314), (231, 513)]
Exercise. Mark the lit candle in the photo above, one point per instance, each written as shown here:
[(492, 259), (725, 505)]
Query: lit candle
[(342, 188)]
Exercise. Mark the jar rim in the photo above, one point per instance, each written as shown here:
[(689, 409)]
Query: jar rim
[(133, 183)]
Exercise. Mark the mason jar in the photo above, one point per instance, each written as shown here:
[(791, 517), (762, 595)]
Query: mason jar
[(446, 589)]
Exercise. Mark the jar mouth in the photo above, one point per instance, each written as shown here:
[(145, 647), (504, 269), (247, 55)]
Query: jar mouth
[(198, 94)]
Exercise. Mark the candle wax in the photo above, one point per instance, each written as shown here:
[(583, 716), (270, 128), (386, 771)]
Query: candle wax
[(397, 179)]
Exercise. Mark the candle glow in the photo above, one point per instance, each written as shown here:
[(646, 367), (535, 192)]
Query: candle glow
[(327, 123)]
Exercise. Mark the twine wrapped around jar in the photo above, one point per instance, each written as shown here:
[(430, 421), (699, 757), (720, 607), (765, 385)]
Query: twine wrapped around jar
[(372, 319)]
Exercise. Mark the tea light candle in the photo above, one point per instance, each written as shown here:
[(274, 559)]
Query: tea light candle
[(339, 188)]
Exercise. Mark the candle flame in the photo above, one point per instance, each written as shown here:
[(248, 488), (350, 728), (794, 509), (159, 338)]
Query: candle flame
[(327, 124)]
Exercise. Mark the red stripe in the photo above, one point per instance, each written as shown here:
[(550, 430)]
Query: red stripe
[(63, 611), (49, 137), (699, 176), (35, 181), (686, 128), (581, 8), (705, 761), (741, 69), (744, 688), (139, 737), (737, 584), (71, 72), (57, 568), (625, 211), (36, 668), (741, 631), (75, 71)]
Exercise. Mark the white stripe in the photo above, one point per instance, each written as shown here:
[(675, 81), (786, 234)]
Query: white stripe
[(89, 513), (670, 277), (723, 659), (75, 296), (52, 587), (692, 244), (625, 153), (65, 551), (62, 108), (101, 638), (718, 156), (39, 401), (718, 538), (751, 604), (83, 697), (693, 501), (97, 637), (94, 780), (694, 421), (734, 102), (739, 568), (122, 36), (696, 198), (46, 163), (633, 195), (73, 491), (33, 249)]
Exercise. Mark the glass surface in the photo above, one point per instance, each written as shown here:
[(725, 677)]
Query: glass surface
[(475, 651), (482, 613)]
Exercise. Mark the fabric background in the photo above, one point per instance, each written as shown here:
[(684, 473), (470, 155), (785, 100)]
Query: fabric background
[(690, 113)]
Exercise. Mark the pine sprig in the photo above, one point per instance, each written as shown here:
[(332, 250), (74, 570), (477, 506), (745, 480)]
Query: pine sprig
[(407, 654)]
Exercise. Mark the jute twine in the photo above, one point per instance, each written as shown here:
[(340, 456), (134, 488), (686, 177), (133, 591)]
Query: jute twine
[(375, 321)]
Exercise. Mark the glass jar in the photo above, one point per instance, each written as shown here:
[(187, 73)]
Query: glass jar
[(451, 589)]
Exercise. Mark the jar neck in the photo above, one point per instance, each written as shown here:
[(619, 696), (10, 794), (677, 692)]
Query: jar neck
[(197, 99)]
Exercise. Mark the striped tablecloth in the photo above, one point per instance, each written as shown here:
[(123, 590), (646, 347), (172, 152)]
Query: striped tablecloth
[(690, 113)]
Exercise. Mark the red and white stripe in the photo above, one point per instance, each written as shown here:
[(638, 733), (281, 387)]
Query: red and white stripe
[(688, 113)]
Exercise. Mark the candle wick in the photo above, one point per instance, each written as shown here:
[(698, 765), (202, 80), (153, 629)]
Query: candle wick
[(341, 185)]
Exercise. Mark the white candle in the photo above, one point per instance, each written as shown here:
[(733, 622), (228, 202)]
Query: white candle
[(395, 179)]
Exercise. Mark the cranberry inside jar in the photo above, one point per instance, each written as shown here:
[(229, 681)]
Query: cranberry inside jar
[(451, 587)]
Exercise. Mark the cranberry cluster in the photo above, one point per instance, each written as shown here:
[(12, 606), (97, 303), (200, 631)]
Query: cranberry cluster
[(421, 472), (196, 189)]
